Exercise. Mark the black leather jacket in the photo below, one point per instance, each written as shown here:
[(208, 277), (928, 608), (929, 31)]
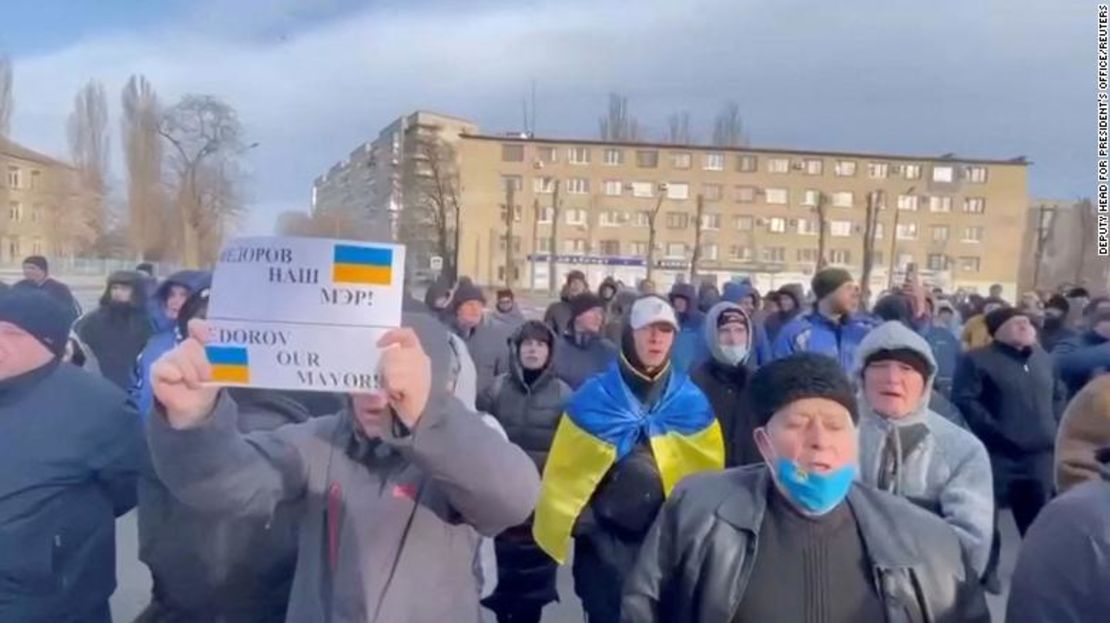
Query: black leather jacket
[(697, 559)]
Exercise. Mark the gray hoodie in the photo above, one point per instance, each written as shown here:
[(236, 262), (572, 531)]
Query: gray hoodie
[(938, 465)]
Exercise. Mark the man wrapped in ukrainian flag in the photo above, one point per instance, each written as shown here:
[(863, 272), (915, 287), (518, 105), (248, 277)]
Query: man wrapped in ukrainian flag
[(627, 437)]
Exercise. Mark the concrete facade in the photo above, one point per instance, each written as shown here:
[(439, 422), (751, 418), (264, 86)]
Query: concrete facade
[(34, 189), (1070, 251)]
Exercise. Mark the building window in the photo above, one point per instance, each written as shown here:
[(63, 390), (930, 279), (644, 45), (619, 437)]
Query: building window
[(776, 225), (614, 157), (676, 190), (576, 216), (840, 229), (543, 185), (747, 164), (15, 179), (712, 192), (610, 218), (518, 213), (877, 258), (641, 219), (879, 229), (647, 159), (501, 273), (547, 155), (843, 199), (773, 254), (907, 203), (940, 204), (711, 221), (511, 152), (810, 197), (907, 231), (740, 254), (714, 162), (613, 188), (939, 233), (943, 174), (610, 247), (13, 248), (36, 211), (501, 243), (578, 186), (745, 194), (840, 256), (709, 252), (969, 264), (845, 168), (642, 189), (680, 160), (777, 196), (937, 261), (877, 170), (807, 227), (808, 254), (578, 155), (975, 205), (678, 220), (639, 249), (515, 182), (36, 183), (977, 175), (574, 246), (911, 171), (546, 214), (544, 245), (676, 249), (15, 211), (778, 165), (973, 234), (814, 166), (36, 246), (743, 223)]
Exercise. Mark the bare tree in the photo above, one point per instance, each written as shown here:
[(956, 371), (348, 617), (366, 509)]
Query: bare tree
[(653, 228), (618, 124), (510, 218), (870, 228), (88, 145), (143, 157), (556, 209), (822, 226), (206, 140), (429, 220), (696, 257), (728, 127), (6, 100), (678, 129)]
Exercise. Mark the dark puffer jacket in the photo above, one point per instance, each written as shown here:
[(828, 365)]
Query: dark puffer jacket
[(117, 332), (580, 356), (723, 384)]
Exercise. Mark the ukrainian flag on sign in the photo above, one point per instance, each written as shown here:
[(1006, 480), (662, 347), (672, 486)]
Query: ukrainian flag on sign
[(363, 265), (229, 364), (602, 424)]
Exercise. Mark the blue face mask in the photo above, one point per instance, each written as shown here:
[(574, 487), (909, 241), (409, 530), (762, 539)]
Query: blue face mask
[(815, 493)]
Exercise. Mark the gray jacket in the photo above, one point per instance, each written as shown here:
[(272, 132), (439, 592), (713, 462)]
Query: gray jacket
[(488, 344), (580, 356), (947, 472), (389, 528)]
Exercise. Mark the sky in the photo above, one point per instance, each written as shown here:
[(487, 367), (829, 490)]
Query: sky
[(313, 79)]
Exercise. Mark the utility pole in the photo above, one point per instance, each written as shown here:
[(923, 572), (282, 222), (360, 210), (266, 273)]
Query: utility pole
[(535, 241), (874, 200), (653, 220), (822, 260), (510, 216), (1038, 256), (551, 277), (696, 256)]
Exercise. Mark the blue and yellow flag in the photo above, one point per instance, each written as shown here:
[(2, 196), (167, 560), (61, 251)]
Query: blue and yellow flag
[(602, 424)]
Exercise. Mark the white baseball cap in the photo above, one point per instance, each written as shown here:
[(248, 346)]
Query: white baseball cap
[(651, 310)]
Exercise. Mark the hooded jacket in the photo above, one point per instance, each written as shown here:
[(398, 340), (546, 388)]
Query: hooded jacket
[(931, 461), (735, 292), (559, 314), (117, 332), (388, 528), (512, 319), (1080, 359), (812, 332), (708, 296), (1084, 430), (1064, 566), (689, 348), (773, 323), (193, 280), (723, 383)]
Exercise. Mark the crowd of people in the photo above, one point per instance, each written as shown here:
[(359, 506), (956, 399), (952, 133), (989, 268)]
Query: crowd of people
[(709, 455)]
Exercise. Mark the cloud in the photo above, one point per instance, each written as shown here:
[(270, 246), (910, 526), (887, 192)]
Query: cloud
[(980, 79)]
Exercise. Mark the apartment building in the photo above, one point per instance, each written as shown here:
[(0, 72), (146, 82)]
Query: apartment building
[(1068, 251), (33, 189)]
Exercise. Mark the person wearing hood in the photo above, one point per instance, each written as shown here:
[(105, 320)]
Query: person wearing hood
[(486, 338), (559, 313), (608, 292), (70, 448), (119, 328), (708, 296), (799, 538), (437, 299), (909, 450), (947, 317), (390, 494), (627, 437), (945, 348), (724, 376), (689, 344), (528, 402), (832, 328), (790, 305), (583, 351), (1085, 356), (1056, 329), (506, 310)]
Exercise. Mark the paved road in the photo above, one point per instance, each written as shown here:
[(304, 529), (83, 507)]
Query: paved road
[(134, 580)]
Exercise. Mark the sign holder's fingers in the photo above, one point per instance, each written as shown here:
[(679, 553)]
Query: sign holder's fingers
[(404, 337), (200, 331)]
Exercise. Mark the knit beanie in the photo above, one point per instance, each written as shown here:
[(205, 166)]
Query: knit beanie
[(732, 315), (999, 317), (466, 292), (38, 260), (908, 356), (797, 377), (584, 302), (828, 280), (39, 315)]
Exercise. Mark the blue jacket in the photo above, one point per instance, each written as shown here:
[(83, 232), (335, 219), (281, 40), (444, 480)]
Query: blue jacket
[(946, 349), (814, 333), (734, 292), (689, 345), (1080, 358)]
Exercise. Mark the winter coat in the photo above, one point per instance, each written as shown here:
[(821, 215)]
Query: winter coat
[(512, 319), (1011, 401), (812, 332), (559, 314), (708, 296), (69, 456), (488, 344), (212, 567), (580, 356), (388, 528), (723, 383), (976, 334), (946, 351), (529, 413), (1063, 569), (689, 348), (761, 342), (620, 307), (1080, 359), (116, 333), (1084, 430), (694, 565), (57, 291), (937, 465), (1054, 335), (156, 301)]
